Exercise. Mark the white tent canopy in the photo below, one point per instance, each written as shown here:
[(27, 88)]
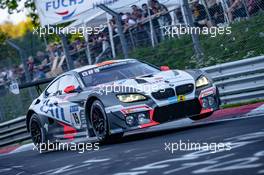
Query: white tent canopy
[(96, 17)]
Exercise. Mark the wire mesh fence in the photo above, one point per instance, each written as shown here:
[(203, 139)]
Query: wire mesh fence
[(228, 30)]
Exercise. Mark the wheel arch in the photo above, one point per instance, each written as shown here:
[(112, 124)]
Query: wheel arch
[(28, 117), (90, 100), (89, 103)]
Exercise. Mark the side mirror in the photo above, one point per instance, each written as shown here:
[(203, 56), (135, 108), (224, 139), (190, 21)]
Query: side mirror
[(70, 89), (164, 68)]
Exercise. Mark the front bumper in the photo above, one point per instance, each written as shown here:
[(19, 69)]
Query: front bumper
[(206, 102)]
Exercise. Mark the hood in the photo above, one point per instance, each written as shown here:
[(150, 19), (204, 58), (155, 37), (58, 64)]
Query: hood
[(151, 83)]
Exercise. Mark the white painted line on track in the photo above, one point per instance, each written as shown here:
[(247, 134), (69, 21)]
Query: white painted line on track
[(23, 148)]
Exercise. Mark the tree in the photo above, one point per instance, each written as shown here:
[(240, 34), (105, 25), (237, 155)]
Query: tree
[(3, 37), (13, 7), (16, 30)]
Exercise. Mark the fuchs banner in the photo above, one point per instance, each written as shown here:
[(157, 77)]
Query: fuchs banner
[(52, 12)]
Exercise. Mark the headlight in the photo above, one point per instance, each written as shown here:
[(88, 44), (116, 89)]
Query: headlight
[(202, 81), (128, 98)]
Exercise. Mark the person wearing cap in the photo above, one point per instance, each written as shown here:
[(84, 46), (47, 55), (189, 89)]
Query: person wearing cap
[(129, 21), (216, 11), (199, 14)]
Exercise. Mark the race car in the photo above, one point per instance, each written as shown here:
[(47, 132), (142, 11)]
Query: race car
[(106, 100)]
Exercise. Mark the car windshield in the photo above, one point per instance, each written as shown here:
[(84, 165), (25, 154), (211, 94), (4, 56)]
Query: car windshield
[(115, 72)]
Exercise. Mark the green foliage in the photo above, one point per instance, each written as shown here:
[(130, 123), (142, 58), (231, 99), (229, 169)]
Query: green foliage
[(3, 37), (242, 104), (16, 30), (14, 106), (246, 41), (21, 35), (30, 43)]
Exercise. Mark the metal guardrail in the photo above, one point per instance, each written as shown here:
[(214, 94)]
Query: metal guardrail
[(13, 131), (237, 82)]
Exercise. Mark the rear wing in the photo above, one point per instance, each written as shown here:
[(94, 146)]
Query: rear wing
[(36, 84)]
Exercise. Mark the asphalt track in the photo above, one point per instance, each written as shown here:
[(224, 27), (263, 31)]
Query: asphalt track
[(154, 151)]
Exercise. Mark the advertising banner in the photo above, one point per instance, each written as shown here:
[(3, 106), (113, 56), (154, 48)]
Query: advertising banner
[(52, 12)]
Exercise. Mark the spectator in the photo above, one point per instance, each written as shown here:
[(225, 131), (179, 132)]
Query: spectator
[(124, 17), (253, 7), (216, 11), (129, 21), (162, 10), (44, 60), (199, 13), (236, 10), (31, 65), (50, 50), (41, 56), (79, 44), (145, 11), (179, 15), (113, 25), (21, 73), (137, 13), (146, 14), (104, 40), (38, 73), (10, 74), (152, 3)]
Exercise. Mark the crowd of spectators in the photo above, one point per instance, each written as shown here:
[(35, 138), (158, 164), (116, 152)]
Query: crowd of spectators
[(51, 62), (210, 13), (139, 15), (39, 66), (240, 8), (213, 12), (205, 13)]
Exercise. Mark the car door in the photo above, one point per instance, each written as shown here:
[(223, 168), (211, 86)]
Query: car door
[(66, 101), (49, 102)]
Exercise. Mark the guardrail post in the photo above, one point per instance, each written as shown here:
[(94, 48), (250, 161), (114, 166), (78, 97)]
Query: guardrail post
[(195, 37), (25, 65), (70, 64), (119, 28)]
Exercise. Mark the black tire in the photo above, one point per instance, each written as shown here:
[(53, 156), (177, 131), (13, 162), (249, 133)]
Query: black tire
[(37, 132), (99, 121), (219, 103)]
